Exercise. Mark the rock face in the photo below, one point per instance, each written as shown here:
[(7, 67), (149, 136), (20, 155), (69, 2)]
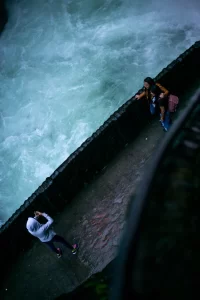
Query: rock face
[(3, 15)]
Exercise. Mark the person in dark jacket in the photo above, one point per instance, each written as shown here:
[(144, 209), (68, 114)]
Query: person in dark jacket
[(162, 101), (45, 234), (148, 83)]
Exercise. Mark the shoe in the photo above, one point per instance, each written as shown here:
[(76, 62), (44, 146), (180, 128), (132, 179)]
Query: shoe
[(75, 246), (60, 253)]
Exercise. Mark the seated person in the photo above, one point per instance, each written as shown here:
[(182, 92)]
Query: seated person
[(148, 83), (162, 101)]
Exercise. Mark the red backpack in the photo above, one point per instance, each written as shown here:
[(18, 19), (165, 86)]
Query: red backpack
[(173, 103)]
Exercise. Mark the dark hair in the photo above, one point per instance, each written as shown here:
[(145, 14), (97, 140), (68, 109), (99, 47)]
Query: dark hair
[(149, 80), (155, 90)]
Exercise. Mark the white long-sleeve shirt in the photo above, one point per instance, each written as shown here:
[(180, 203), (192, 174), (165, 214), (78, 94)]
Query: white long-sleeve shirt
[(42, 231)]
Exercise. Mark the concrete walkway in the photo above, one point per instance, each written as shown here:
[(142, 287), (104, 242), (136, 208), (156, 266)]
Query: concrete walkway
[(95, 219)]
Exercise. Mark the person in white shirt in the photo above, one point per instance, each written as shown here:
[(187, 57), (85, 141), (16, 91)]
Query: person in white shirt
[(46, 235)]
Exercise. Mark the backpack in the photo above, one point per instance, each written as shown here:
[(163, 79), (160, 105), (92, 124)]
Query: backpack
[(173, 103)]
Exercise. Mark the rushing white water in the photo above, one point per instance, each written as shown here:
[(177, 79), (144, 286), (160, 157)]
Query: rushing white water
[(65, 66)]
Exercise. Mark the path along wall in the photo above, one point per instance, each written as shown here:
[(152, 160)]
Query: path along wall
[(91, 157)]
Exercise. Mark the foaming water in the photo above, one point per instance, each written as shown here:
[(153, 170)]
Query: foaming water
[(66, 66)]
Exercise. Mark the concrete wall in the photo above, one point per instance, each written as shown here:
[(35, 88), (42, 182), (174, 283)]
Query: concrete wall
[(91, 157)]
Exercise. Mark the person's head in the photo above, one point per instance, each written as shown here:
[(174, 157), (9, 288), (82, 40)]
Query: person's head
[(155, 91), (148, 82), (32, 225)]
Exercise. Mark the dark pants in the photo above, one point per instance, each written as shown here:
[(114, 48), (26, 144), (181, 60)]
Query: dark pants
[(58, 239)]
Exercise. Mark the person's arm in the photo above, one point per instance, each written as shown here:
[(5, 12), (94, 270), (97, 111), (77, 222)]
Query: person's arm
[(163, 89), (37, 214), (49, 219), (138, 97), (49, 222)]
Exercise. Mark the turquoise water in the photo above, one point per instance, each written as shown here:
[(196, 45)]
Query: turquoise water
[(65, 66)]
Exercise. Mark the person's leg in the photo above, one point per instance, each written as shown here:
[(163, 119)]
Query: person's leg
[(167, 121), (152, 109), (50, 244), (162, 123), (60, 239)]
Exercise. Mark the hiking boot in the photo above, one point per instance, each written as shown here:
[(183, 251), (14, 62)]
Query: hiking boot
[(75, 246), (59, 254)]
